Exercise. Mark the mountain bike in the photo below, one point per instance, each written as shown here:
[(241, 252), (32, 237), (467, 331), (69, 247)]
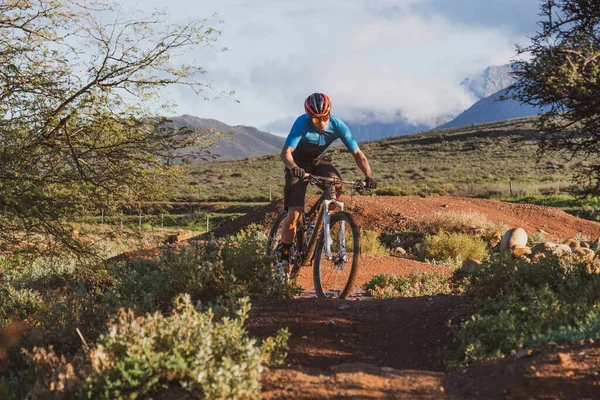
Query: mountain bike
[(330, 241)]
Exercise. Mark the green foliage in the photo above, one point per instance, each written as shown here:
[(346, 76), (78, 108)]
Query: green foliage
[(79, 123), (383, 286), (559, 72), (536, 237), (58, 297), (586, 328), (235, 268), (370, 243), (453, 246), (20, 303), (518, 303), (209, 359)]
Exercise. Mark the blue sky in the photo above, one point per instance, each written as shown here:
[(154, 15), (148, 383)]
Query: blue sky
[(381, 56)]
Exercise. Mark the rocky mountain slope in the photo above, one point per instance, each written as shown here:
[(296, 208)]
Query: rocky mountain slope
[(490, 109), (240, 142), (490, 81)]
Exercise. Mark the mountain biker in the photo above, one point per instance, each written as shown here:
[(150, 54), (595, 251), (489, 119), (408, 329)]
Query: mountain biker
[(311, 134)]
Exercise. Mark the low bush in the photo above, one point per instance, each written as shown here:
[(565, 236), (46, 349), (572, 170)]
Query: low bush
[(56, 300), (517, 303), (450, 220), (142, 356), (237, 267), (452, 246), (536, 237), (371, 244), (383, 286)]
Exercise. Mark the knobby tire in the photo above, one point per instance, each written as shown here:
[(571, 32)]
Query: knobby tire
[(320, 263)]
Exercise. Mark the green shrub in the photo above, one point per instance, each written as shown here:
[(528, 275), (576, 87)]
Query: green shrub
[(586, 328), (390, 191), (370, 243), (237, 267), (207, 356), (518, 303), (209, 359), (536, 237), (20, 303), (57, 298), (383, 286), (453, 246)]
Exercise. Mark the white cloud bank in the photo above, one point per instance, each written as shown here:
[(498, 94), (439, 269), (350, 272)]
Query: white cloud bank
[(383, 56)]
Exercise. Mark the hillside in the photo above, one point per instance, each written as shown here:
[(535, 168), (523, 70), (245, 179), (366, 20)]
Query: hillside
[(472, 160), (491, 108), (241, 141), (363, 132)]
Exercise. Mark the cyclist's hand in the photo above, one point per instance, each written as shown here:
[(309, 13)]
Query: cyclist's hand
[(297, 172), (370, 183)]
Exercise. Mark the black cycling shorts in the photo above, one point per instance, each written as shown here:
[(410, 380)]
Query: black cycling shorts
[(294, 192)]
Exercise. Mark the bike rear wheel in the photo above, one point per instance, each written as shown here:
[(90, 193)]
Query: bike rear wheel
[(274, 244), (334, 276)]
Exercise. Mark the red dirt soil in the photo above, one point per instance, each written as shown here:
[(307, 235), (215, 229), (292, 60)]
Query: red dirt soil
[(371, 349), (388, 213), (368, 349)]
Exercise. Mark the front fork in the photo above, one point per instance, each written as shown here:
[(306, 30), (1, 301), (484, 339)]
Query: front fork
[(326, 236)]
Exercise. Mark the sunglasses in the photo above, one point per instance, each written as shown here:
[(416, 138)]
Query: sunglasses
[(316, 120)]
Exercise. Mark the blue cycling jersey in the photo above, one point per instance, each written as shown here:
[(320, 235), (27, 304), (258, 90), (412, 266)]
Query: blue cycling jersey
[(309, 142)]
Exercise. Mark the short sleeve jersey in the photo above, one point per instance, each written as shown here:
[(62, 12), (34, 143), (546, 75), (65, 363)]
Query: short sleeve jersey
[(309, 142)]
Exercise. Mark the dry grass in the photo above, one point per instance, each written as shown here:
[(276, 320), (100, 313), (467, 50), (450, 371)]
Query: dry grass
[(471, 161), (453, 246), (466, 222)]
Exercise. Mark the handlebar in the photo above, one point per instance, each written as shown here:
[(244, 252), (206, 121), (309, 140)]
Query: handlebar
[(314, 179)]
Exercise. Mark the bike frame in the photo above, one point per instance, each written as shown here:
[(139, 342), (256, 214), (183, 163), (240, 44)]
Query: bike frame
[(324, 214)]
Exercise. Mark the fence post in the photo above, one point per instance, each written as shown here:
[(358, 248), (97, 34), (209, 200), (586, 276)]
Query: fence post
[(140, 220), (162, 221), (270, 199), (207, 225), (102, 218), (510, 188)]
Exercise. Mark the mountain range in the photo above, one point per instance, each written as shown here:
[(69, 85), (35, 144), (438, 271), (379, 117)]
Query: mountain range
[(489, 81), (489, 87), (240, 141), (486, 88)]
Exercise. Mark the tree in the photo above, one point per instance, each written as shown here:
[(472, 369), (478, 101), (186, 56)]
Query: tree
[(75, 129), (561, 74)]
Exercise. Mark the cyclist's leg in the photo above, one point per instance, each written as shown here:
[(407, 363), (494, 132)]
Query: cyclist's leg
[(289, 225), (293, 200)]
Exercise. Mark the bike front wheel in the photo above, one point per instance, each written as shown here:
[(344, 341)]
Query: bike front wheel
[(335, 268)]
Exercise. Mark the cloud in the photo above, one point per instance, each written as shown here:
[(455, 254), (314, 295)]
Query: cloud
[(390, 57)]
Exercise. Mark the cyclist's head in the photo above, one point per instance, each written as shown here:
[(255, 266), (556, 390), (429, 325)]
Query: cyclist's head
[(317, 105)]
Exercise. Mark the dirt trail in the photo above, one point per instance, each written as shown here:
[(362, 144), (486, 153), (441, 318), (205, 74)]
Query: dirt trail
[(388, 213), (380, 349), (372, 349), (376, 264), (552, 373)]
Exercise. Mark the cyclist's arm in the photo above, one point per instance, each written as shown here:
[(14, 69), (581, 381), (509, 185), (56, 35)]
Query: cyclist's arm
[(291, 142), (362, 163), (359, 157), (286, 157)]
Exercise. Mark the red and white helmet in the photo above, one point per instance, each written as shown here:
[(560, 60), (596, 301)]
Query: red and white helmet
[(317, 105)]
